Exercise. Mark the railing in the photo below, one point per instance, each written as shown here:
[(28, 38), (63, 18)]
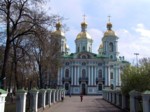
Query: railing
[(135, 102), (39, 99)]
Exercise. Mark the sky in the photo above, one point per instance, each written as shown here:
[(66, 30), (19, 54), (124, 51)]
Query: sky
[(130, 19)]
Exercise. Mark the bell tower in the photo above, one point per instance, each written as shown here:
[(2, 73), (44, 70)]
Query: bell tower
[(83, 40), (110, 42)]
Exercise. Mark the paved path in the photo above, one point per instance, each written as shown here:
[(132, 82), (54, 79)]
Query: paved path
[(89, 104)]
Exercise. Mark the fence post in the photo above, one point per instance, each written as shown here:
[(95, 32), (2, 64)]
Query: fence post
[(113, 97), (43, 93), (133, 94), (54, 98), (3, 95), (146, 101), (49, 91), (123, 102), (59, 94), (117, 97), (21, 100), (33, 99)]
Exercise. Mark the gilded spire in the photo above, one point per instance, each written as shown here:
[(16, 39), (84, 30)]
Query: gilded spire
[(84, 24), (58, 24), (109, 25)]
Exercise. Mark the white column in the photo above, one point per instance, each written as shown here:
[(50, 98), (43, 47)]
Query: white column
[(43, 93), (72, 75), (49, 91), (119, 76), (108, 72), (133, 94), (95, 76), (78, 76), (75, 75), (146, 101), (2, 99), (89, 75), (34, 99), (21, 101), (106, 76), (92, 75)]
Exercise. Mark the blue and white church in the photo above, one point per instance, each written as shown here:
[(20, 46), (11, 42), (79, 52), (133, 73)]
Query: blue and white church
[(86, 72)]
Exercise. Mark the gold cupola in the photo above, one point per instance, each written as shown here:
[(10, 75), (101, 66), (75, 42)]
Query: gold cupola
[(83, 34), (109, 31), (58, 31)]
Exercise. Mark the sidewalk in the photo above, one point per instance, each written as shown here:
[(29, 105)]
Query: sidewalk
[(89, 104)]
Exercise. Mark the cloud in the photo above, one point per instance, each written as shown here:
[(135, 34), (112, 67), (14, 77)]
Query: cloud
[(129, 19), (134, 42)]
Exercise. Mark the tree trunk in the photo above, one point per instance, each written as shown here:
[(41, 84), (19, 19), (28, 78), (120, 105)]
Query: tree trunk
[(40, 75), (7, 46)]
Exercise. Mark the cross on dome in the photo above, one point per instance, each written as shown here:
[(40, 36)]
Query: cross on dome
[(84, 17), (109, 18)]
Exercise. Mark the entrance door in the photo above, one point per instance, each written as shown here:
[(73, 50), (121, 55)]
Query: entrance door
[(83, 89)]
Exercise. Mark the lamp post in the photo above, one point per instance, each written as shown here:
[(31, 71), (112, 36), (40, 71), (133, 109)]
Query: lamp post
[(136, 54)]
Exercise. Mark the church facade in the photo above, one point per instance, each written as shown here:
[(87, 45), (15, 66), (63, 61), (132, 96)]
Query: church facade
[(86, 72)]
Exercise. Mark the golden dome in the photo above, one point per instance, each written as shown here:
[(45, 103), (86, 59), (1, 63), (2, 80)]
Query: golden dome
[(58, 25), (109, 25), (83, 35), (84, 23), (109, 33), (58, 33)]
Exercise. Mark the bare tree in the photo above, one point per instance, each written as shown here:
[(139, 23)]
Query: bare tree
[(18, 16)]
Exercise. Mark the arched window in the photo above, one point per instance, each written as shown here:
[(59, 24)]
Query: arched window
[(83, 73), (67, 73), (111, 47), (100, 74)]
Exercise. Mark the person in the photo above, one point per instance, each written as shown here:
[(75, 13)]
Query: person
[(62, 98), (81, 97)]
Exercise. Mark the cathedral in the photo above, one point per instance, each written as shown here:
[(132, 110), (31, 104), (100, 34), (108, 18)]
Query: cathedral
[(86, 72)]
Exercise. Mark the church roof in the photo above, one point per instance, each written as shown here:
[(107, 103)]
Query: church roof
[(83, 35), (58, 31), (109, 31), (88, 55)]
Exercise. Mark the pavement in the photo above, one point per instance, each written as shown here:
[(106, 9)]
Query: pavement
[(89, 104)]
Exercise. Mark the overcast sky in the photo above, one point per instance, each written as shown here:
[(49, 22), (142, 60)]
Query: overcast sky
[(130, 19)]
